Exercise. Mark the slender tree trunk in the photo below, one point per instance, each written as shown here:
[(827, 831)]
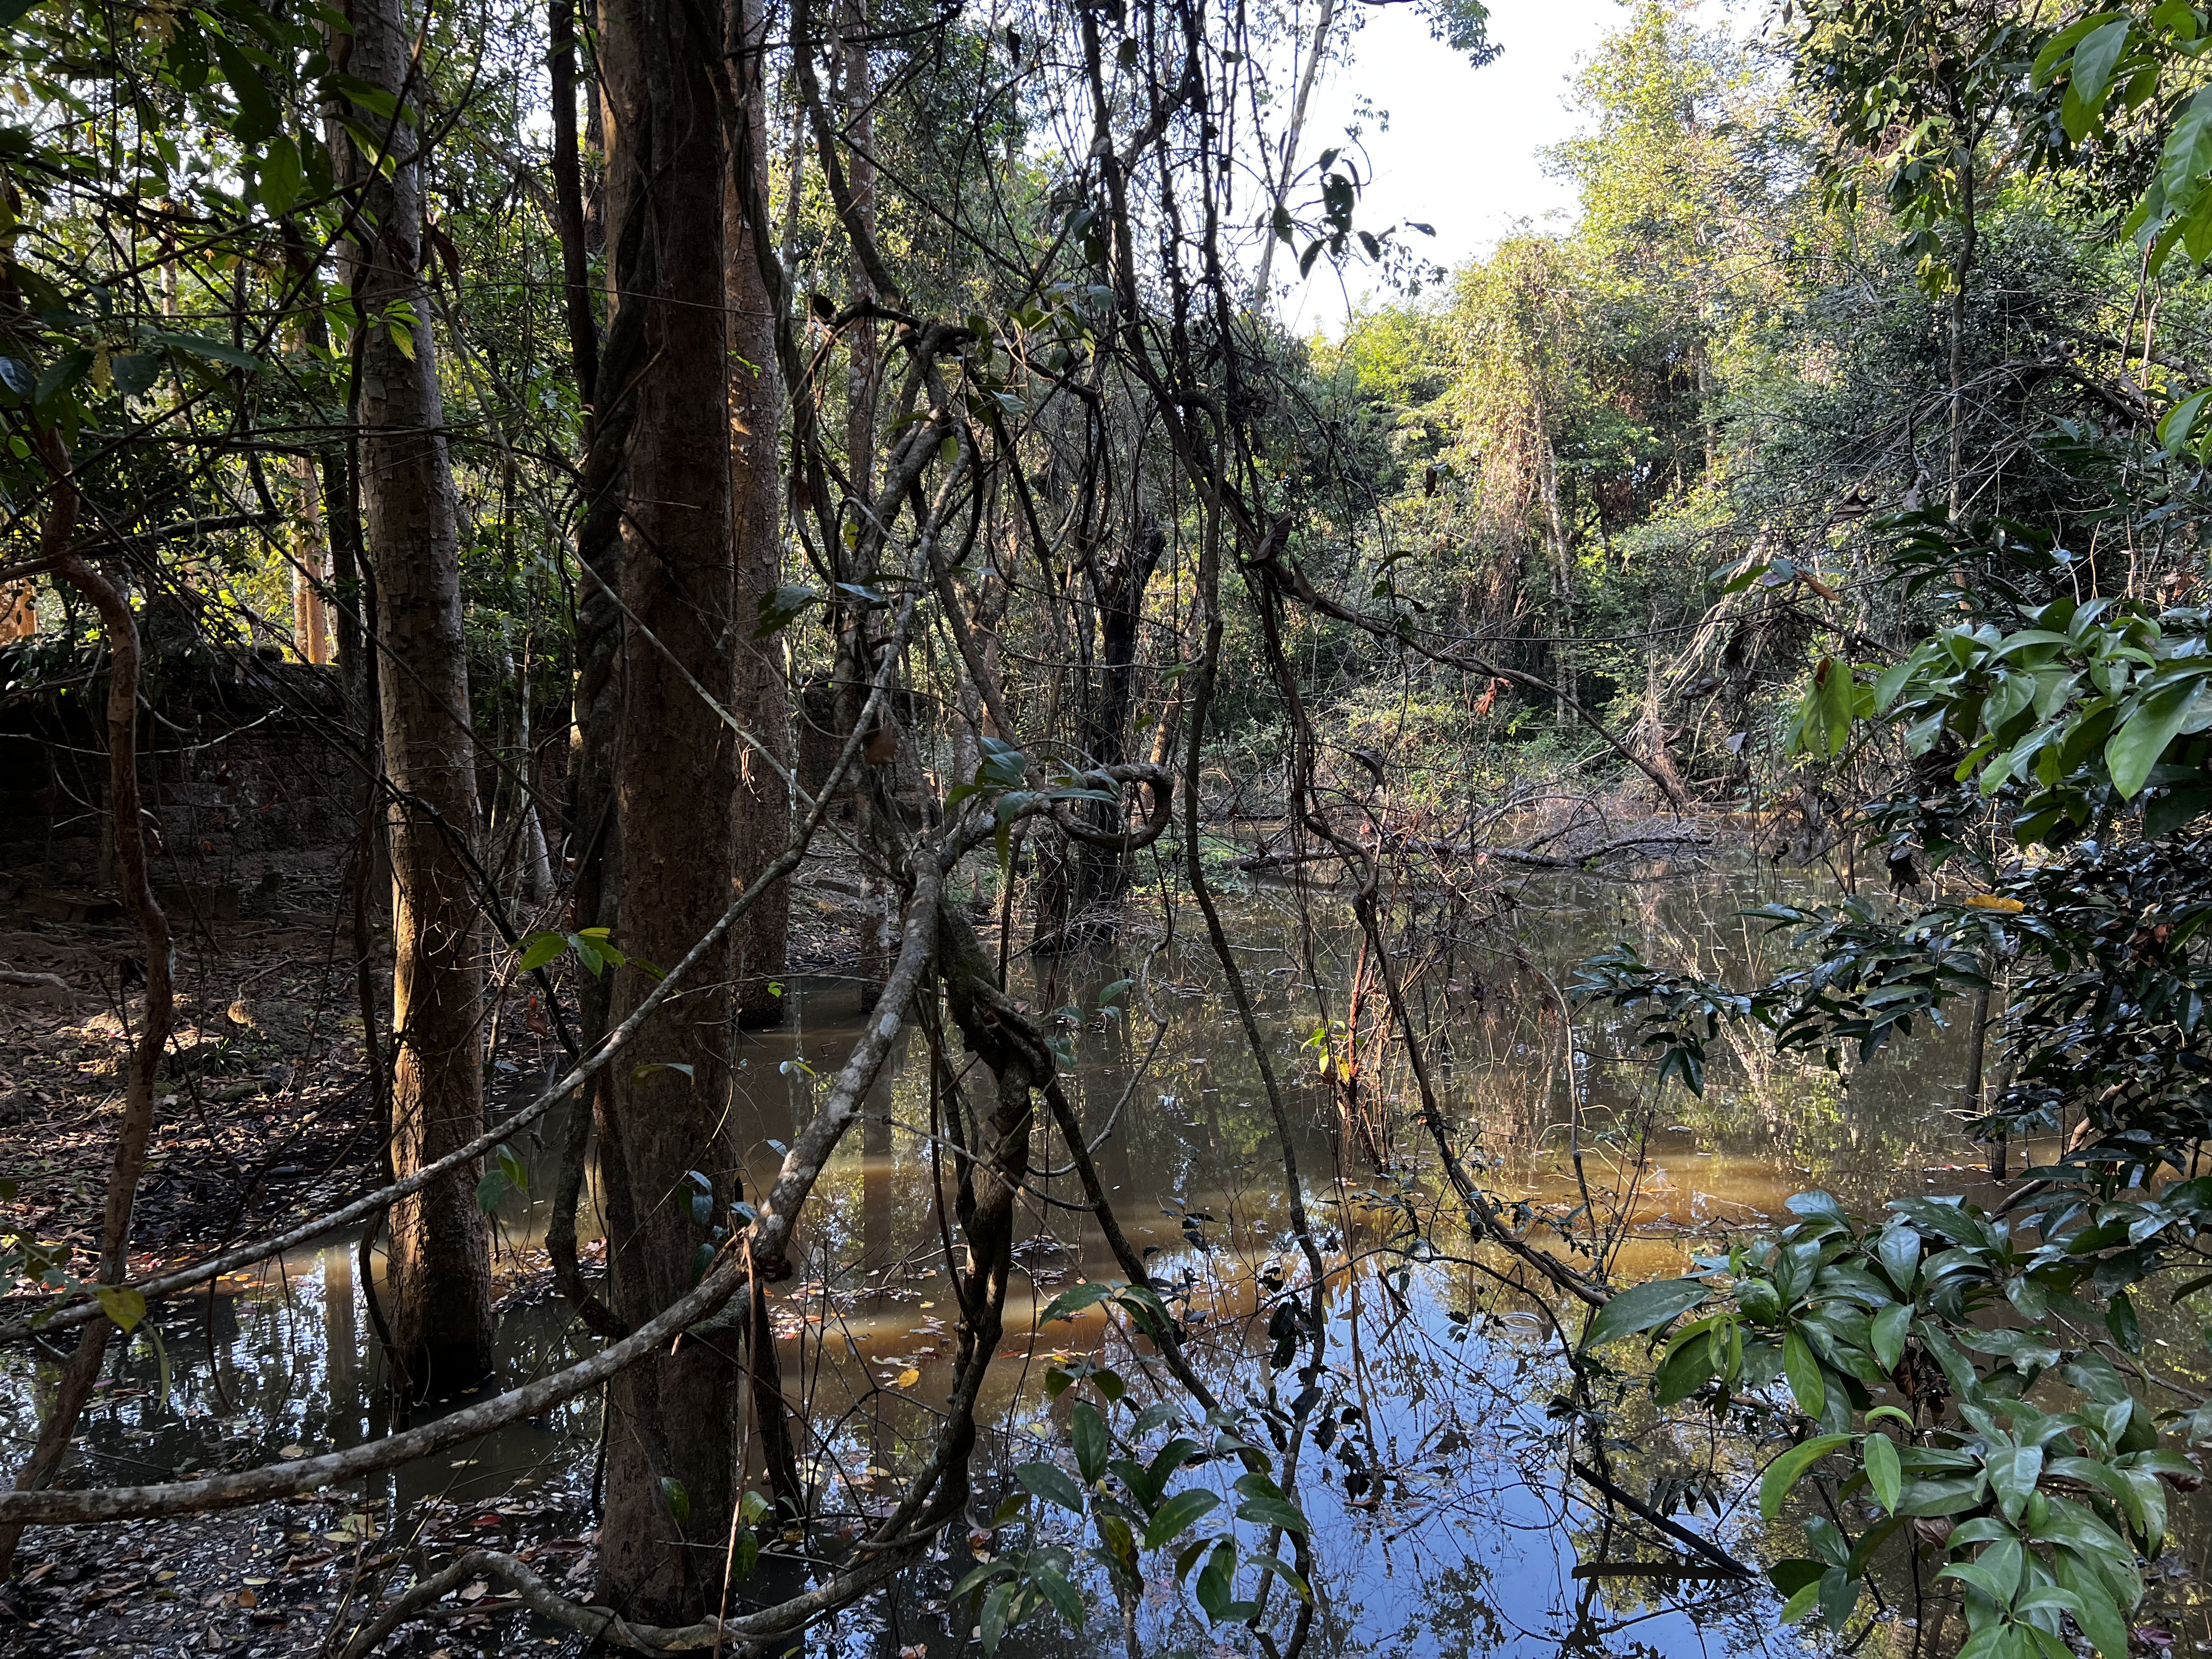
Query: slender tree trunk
[(311, 634), (1957, 412), (1562, 570), (592, 844), (761, 801), (1286, 173), (439, 1309), (854, 101), (135, 1134), (670, 1439)]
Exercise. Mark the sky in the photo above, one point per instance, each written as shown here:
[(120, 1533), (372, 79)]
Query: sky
[(1459, 152)]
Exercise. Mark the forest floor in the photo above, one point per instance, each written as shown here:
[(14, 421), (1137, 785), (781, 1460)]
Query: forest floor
[(266, 1118)]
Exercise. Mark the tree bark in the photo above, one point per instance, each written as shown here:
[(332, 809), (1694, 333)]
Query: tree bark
[(670, 1439), (440, 1306), (311, 634), (761, 801)]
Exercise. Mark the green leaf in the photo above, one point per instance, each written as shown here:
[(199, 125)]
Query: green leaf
[(2013, 1471), (1803, 1370), (1883, 1474), (1074, 1301), (2120, 1319), (2101, 1621), (124, 1306), (993, 1623), (62, 374), (1837, 698), (1217, 1583), (1273, 1512), (257, 111), (490, 1190), (2132, 751), (1786, 1470), (2175, 424), (282, 174), (198, 345), (1889, 1330), (1051, 1483), (780, 608), (679, 1501), (1644, 1307), (1061, 1594), (1092, 1444), (1177, 1516), (2091, 76), (538, 949), (134, 373)]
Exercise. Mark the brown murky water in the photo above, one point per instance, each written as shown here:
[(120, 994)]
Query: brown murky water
[(1441, 1521)]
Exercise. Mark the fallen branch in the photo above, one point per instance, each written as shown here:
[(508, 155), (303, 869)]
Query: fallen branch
[(19, 976), (603, 1624), (1682, 1534), (1476, 851)]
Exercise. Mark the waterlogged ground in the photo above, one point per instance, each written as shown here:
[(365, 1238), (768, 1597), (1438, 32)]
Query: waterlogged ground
[(1432, 1468)]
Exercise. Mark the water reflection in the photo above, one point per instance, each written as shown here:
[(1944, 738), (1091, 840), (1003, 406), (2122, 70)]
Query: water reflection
[(1442, 1522)]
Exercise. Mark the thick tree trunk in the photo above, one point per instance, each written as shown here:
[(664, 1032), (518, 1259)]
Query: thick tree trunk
[(439, 1310), (761, 802), (671, 1438)]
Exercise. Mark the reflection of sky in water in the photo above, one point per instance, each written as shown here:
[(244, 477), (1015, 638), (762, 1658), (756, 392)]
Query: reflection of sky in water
[(1467, 1539)]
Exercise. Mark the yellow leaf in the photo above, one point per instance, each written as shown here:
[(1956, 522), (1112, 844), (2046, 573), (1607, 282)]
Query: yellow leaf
[(2011, 907), (908, 1378), (404, 338)]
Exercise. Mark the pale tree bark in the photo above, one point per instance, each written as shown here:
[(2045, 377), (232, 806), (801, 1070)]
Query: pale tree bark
[(761, 802), (439, 1304), (311, 634), (671, 1421), (1286, 173), (1563, 568)]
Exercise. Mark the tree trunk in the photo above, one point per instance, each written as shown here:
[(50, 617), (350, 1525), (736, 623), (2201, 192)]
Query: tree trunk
[(855, 103), (761, 802), (1563, 571), (311, 634), (670, 1421), (1084, 914), (440, 1311), (1287, 173)]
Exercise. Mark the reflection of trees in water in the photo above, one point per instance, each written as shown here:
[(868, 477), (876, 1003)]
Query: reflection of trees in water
[(1441, 1522)]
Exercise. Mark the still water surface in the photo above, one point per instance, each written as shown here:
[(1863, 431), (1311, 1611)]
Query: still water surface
[(1443, 1523)]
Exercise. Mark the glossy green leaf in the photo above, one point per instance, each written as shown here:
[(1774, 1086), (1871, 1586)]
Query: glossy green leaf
[(1786, 1470), (1884, 1474), (1643, 1308), (1177, 1516), (1092, 1444), (1052, 1484)]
